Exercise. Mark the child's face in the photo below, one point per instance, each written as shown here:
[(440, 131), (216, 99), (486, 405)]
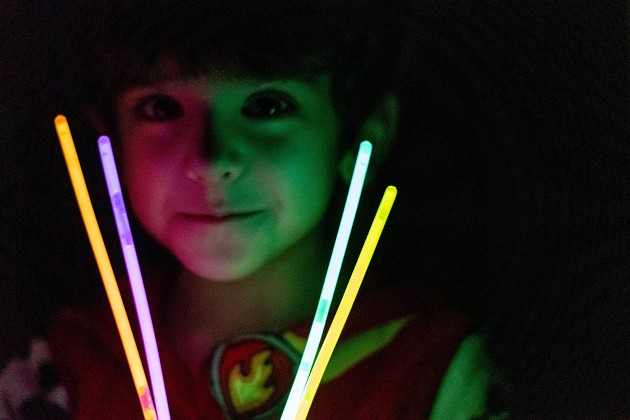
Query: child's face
[(228, 174)]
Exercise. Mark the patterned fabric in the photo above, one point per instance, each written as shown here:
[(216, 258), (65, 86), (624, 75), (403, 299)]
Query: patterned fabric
[(29, 388)]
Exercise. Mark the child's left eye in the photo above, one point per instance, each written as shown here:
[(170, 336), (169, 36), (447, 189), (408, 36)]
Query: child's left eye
[(159, 108), (268, 105)]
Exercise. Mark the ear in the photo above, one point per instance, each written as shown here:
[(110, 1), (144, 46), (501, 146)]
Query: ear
[(380, 129)]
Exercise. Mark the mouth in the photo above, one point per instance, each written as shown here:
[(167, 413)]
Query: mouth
[(219, 218)]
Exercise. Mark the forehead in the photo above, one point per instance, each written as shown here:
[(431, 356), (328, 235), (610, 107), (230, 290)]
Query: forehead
[(167, 74), (168, 70)]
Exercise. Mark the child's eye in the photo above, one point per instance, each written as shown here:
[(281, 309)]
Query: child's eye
[(159, 108), (268, 105)]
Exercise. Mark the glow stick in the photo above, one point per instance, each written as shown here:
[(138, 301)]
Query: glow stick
[(346, 301), (135, 276), (330, 281), (105, 267)]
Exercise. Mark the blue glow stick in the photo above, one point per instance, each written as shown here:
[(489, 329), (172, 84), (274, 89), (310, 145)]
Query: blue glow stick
[(330, 281), (135, 277), (339, 320)]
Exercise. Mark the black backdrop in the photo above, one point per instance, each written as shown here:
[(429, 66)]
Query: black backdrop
[(512, 166)]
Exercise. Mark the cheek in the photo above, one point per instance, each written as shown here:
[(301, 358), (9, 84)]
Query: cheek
[(307, 183), (146, 187), (152, 159)]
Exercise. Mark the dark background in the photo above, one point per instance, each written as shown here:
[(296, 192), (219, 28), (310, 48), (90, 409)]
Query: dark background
[(512, 168)]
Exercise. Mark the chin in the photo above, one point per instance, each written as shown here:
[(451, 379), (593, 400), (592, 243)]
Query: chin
[(220, 272)]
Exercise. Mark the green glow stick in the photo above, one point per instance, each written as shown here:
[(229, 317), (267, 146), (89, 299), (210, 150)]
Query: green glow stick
[(346, 301), (330, 281)]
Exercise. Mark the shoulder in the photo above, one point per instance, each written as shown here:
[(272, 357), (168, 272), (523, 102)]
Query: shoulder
[(393, 357), (405, 329), (472, 387), (89, 329)]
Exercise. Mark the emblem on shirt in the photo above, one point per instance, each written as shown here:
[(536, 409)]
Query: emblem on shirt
[(250, 377)]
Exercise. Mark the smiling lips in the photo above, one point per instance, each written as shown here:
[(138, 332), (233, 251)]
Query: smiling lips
[(219, 218)]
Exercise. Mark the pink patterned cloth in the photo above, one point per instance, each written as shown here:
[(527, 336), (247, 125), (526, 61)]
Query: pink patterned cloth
[(29, 388)]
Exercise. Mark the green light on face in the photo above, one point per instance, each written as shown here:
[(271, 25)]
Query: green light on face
[(330, 282)]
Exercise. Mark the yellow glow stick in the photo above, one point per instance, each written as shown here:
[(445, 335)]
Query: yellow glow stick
[(346, 301), (105, 267)]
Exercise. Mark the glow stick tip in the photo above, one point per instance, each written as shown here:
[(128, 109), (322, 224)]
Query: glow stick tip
[(365, 146), (103, 139), (61, 125)]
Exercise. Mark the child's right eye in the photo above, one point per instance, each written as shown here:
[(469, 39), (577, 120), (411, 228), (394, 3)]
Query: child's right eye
[(268, 105), (159, 108)]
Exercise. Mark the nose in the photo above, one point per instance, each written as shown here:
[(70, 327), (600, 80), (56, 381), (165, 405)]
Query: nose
[(212, 172), (214, 159)]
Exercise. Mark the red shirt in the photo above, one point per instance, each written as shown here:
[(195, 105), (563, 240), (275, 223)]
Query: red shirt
[(388, 364)]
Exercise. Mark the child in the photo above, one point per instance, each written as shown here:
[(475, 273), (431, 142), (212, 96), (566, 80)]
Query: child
[(236, 125)]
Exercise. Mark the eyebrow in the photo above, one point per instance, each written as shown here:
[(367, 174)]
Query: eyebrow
[(141, 90)]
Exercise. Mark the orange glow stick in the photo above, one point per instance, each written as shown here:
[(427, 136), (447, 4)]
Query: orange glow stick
[(105, 267)]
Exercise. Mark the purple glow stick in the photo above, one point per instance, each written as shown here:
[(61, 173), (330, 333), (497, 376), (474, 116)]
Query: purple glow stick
[(135, 277)]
